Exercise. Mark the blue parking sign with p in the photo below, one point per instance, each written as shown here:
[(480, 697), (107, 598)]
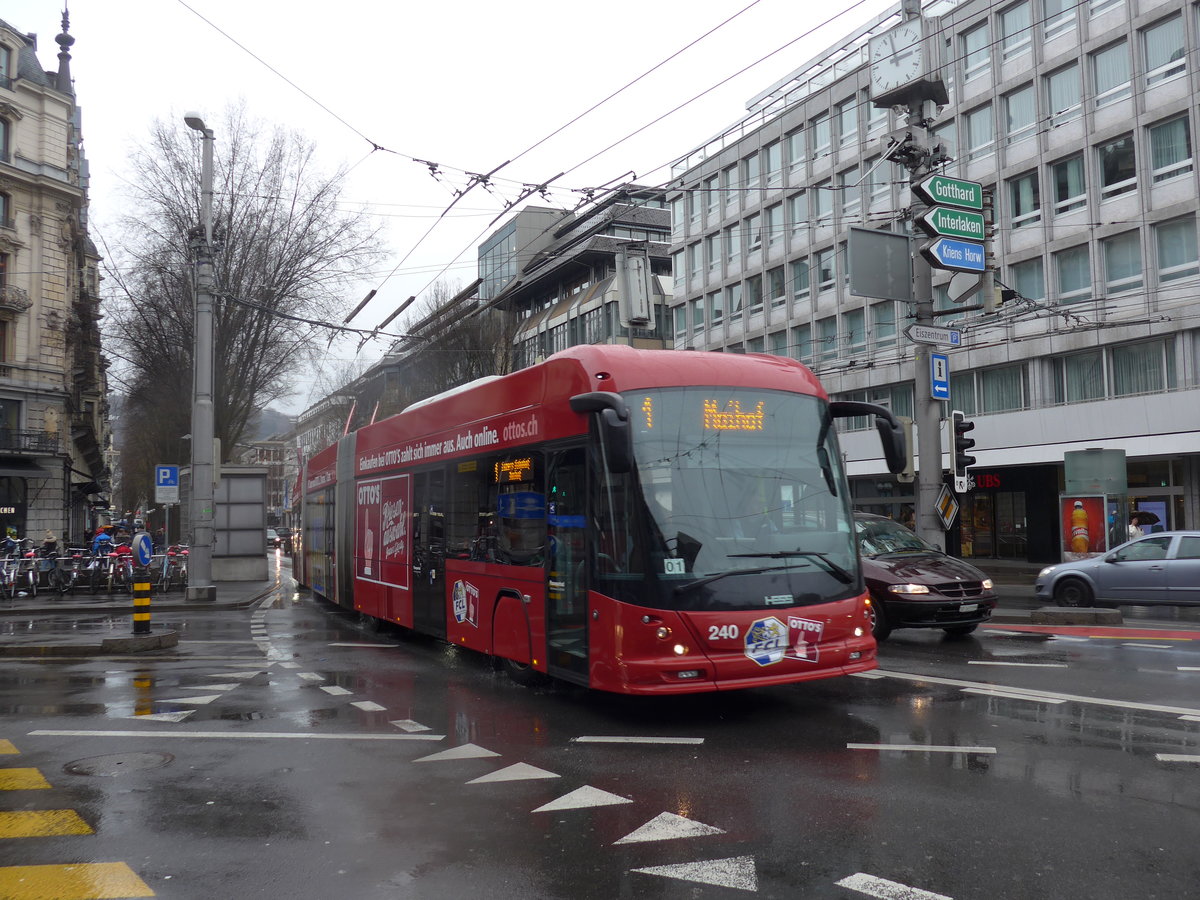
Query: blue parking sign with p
[(166, 484)]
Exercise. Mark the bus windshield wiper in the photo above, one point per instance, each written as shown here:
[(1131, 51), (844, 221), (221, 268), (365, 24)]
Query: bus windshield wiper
[(711, 578), (833, 568)]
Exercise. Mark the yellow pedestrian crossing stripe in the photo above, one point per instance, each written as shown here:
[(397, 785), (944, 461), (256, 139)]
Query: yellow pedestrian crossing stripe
[(7, 746), (22, 780), (86, 881), (42, 823)]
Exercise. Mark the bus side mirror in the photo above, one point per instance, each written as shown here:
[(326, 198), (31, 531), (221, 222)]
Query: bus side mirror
[(891, 431), (616, 438)]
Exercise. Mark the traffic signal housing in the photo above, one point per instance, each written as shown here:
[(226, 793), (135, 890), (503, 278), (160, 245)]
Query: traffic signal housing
[(960, 459)]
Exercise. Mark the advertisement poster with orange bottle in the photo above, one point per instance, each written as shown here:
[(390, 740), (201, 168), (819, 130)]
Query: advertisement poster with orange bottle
[(1084, 526)]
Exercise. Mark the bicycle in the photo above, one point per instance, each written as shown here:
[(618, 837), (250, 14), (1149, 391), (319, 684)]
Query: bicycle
[(67, 572)]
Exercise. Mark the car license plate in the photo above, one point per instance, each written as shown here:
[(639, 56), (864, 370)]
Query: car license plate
[(968, 607)]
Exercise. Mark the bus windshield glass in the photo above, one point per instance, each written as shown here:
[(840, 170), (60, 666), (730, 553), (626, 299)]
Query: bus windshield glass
[(739, 500)]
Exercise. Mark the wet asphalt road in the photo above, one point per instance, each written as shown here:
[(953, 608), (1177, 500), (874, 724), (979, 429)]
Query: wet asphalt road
[(189, 768)]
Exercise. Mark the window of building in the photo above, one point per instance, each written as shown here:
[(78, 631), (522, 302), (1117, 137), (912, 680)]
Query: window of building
[(1164, 50), (802, 348), (679, 271), (752, 228), (827, 339), (695, 266), (883, 325), (1118, 171), (847, 115), (1170, 149), (1002, 389), (825, 274), (751, 171), (681, 321), (678, 218), (695, 203), (1176, 245), (800, 286), (854, 324), (773, 224), (712, 251), (878, 186), (5, 66), (1079, 377), (773, 162), (797, 150), (777, 342), (756, 345), (1064, 94), (5, 136), (1020, 114), (980, 132), (1143, 368), (6, 212), (754, 293), (798, 211), (732, 244), (822, 201), (733, 301), (1095, 7), (849, 189), (1015, 31), (1122, 262), (896, 397), (1073, 272), (1058, 17), (821, 134), (1111, 73), (776, 286), (712, 197), (877, 116), (1070, 189), (697, 305), (1028, 278), (976, 52), (1024, 200), (716, 309), (729, 178)]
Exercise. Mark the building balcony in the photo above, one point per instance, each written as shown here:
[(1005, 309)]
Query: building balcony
[(33, 442), (14, 299)]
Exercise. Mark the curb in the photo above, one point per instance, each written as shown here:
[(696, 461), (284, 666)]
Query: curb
[(138, 643)]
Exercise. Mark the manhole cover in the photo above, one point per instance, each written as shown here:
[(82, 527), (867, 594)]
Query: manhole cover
[(118, 763)]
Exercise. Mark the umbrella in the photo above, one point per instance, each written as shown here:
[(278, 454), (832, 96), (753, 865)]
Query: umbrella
[(1145, 517)]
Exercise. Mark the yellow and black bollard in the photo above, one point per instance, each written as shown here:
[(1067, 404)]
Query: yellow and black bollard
[(141, 603)]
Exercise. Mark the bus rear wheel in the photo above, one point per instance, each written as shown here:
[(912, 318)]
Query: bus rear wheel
[(523, 673)]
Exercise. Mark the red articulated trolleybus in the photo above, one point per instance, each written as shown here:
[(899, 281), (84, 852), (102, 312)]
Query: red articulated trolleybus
[(637, 521)]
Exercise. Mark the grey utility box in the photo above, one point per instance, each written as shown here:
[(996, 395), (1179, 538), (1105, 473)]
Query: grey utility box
[(239, 521)]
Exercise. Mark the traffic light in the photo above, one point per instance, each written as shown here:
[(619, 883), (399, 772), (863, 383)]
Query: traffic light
[(960, 459)]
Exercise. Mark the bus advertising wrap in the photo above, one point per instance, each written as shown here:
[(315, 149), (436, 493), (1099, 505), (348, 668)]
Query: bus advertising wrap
[(384, 540)]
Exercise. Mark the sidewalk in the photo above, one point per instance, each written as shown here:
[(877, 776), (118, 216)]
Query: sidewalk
[(85, 624)]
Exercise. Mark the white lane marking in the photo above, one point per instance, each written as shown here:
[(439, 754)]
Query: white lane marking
[(1188, 668), (1177, 757), (734, 872), (181, 643), (335, 690), (163, 717), (1012, 695), (1071, 639), (208, 687), (192, 701), (241, 676), (368, 706), (997, 662), (1190, 718), (1073, 698), (243, 735), (1002, 633), (515, 772), (409, 725), (865, 675), (463, 751), (289, 665), (927, 748), (358, 644), (667, 826), (1148, 646), (618, 739), (583, 797), (310, 676), (873, 886)]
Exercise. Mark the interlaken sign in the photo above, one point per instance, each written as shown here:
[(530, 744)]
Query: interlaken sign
[(957, 230)]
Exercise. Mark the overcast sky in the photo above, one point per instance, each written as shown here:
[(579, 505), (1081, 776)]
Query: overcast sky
[(465, 84)]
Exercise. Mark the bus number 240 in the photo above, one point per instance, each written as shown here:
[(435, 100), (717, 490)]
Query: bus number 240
[(722, 632)]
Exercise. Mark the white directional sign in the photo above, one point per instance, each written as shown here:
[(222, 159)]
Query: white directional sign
[(166, 484), (931, 334)]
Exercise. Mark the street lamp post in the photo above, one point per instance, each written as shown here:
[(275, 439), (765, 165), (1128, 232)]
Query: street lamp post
[(200, 580)]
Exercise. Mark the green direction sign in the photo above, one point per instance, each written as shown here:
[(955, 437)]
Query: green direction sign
[(951, 191), (941, 221)]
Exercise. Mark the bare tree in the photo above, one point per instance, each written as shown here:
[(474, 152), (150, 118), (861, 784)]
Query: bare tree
[(288, 250)]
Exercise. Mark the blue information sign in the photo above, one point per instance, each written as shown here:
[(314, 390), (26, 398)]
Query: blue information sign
[(950, 253), (939, 370)]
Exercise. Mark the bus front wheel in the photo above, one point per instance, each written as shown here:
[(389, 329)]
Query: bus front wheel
[(523, 673)]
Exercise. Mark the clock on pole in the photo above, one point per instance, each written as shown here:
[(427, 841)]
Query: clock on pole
[(901, 68)]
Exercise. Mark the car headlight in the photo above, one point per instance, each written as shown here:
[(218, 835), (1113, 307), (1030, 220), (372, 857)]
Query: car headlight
[(1046, 571), (909, 588), (987, 584)]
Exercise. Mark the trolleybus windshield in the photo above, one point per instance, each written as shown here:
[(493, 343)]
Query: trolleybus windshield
[(738, 500)]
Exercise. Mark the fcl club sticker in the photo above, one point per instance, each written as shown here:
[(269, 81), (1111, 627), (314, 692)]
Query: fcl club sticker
[(808, 634), (766, 641), (466, 603)]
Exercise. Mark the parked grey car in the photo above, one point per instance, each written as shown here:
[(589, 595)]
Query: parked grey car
[(1158, 568)]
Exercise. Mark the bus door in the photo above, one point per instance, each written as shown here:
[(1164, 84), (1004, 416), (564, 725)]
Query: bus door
[(429, 552), (566, 583)]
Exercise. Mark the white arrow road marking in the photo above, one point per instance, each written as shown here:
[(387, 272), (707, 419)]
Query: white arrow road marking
[(335, 690), (368, 706), (515, 772), (463, 751), (409, 725), (192, 701), (886, 890), (163, 717), (667, 826), (583, 797), (735, 872)]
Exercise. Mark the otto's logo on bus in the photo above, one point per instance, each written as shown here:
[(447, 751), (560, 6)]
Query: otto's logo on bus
[(466, 603), (766, 641), (805, 636)]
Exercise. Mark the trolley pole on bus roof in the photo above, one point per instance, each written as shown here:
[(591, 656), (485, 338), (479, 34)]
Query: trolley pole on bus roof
[(200, 582)]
